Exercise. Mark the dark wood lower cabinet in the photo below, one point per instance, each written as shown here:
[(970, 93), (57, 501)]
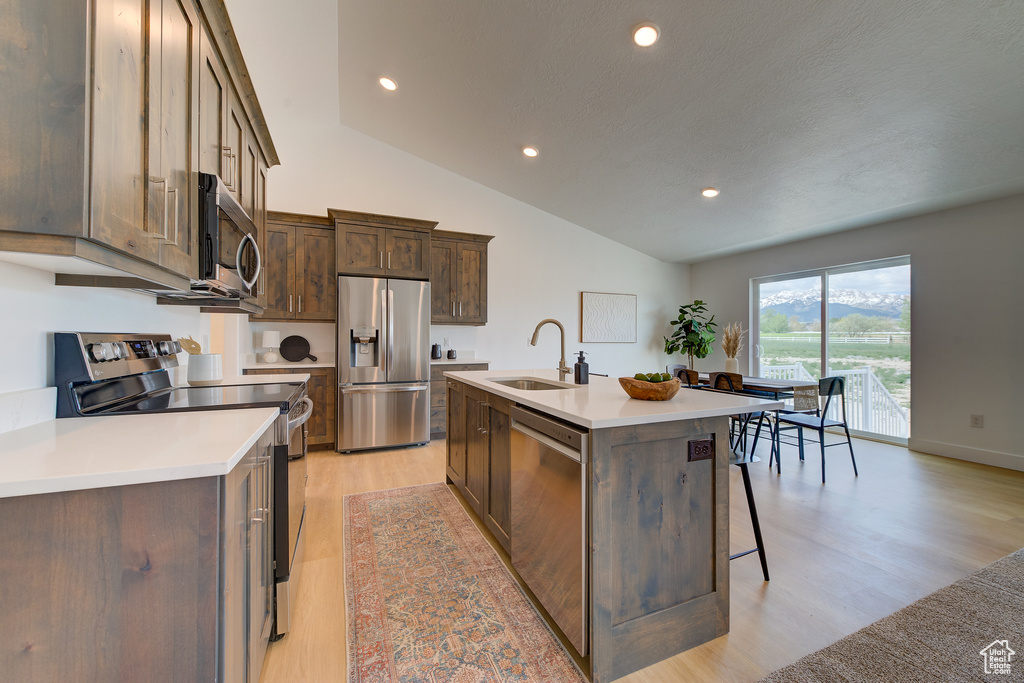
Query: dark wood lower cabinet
[(165, 581), (439, 393), (323, 390), (479, 455)]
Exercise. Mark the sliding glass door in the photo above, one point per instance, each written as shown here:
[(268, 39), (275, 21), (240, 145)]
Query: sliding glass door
[(866, 337)]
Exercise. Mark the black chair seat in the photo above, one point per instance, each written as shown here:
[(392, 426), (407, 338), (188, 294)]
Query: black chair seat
[(805, 420)]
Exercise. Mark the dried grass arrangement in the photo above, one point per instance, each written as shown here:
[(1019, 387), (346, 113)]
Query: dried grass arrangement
[(732, 339)]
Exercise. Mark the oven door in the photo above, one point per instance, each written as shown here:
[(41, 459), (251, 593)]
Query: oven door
[(288, 529)]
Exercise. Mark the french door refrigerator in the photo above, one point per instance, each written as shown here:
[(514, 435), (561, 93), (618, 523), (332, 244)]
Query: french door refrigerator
[(383, 363)]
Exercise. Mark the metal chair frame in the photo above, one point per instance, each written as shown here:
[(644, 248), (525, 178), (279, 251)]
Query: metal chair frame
[(829, 387)]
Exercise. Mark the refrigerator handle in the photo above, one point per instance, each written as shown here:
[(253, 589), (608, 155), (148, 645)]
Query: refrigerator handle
[(391, 326), (383, 330)]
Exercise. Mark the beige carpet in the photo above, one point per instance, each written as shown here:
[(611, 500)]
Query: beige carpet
[(938, 638)]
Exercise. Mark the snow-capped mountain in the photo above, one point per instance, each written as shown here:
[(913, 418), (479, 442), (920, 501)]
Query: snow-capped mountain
[(806, 306)]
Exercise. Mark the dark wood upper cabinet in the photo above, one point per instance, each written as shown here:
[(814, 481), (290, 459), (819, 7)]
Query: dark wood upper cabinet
[(382, 246), (458, 278), (112, 107), (300, 273)]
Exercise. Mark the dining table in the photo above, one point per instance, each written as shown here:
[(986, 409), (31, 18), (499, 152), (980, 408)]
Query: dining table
[(804, 393)]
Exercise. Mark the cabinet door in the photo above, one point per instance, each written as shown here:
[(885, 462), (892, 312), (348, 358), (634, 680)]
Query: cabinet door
[(323, 389), (443, 259), (233, 150), (318, 288), (119, 179), (408, 254), (173, 107), (498, 497), (476, 448), (279, 269), (456, 466), (247, 187), (471, 286), (360, 249), (260, 219), (212, 107)]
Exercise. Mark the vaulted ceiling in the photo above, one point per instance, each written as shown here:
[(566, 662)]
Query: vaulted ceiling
[(809, 116)]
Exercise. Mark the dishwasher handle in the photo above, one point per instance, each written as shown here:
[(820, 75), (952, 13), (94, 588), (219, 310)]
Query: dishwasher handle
[(553, 444)]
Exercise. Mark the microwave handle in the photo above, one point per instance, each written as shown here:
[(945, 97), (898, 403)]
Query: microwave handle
[(238, 260)]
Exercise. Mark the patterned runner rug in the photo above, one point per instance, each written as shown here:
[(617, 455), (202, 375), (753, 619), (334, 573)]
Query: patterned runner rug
[(971, 630), (429, 600)]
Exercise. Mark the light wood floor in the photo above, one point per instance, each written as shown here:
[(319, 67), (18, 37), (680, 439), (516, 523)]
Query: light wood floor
[(840, 555)]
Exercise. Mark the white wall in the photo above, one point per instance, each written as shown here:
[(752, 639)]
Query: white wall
[(537, 264), (32, 307), (965, 310)]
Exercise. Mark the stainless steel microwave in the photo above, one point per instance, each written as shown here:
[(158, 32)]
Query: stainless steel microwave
[(229, 258)]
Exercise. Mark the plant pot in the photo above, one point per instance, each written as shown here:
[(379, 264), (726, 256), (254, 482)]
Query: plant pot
[(732, 365)]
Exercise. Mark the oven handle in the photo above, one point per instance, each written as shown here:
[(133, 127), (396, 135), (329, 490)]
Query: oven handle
[(304, 418)]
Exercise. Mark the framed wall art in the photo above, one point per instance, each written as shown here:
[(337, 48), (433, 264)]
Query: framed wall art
[(607, 317)]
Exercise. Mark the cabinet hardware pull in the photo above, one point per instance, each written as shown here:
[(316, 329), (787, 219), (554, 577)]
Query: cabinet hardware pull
[(300, 303), (175, 191), (162, 181), (460, 309), (226, 152), (389, 260), (381, 259), (453, 308), (289, 303)]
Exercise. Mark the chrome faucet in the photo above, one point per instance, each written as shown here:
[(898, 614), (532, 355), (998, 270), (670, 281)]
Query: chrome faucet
[(563, 369)]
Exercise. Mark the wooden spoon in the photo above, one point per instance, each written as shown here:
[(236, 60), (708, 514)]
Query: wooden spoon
[(190, 345)]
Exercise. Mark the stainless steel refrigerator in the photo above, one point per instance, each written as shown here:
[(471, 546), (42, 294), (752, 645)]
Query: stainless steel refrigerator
[(383, 363)]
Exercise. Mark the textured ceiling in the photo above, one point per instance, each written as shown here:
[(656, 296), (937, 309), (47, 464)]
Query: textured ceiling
[(810, 116)]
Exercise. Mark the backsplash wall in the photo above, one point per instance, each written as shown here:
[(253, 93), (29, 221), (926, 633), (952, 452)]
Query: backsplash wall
[(32, 308)]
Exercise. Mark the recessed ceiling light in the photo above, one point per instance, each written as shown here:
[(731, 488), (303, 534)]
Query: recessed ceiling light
[(646, 35), (387, 83), (530, 151), (709, 192)]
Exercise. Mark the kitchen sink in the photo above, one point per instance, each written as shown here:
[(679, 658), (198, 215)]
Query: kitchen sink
[(532, 384)]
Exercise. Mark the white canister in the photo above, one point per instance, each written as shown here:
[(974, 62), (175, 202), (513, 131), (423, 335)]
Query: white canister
[(205, 369)]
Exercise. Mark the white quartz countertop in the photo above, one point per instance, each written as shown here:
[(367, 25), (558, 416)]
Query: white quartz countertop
[(320, 362), (259, 379), (603, 403), (457, 361), (71, 454)]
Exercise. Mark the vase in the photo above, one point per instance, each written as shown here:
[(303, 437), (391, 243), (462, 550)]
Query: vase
[(732, 365)]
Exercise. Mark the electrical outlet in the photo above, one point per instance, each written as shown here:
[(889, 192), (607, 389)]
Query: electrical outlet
[(447, 341), (978, 421)]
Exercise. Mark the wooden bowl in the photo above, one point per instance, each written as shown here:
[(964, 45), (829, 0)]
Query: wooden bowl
[(650, 391)]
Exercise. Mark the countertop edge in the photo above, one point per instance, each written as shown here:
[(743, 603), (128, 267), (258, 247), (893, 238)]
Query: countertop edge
[(739, 404)]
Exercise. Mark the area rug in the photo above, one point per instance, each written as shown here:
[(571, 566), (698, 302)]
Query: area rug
[(429, 600), (971, 630)]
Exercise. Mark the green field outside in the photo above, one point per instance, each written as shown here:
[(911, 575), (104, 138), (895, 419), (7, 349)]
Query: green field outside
[(889, 362)]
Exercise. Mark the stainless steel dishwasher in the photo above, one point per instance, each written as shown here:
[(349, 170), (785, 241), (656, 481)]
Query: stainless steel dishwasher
[(549, 517)]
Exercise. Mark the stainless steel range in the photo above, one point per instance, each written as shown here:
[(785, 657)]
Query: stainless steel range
[(125, 374)]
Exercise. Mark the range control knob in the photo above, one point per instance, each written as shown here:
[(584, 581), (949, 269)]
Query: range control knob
[(120, 350), (168, 348), (100, 352)]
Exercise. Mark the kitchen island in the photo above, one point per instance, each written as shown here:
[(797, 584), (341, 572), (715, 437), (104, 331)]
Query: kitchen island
[(651, 511)]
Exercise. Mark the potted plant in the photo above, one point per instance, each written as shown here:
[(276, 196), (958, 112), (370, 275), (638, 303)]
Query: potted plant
[(693, 333)]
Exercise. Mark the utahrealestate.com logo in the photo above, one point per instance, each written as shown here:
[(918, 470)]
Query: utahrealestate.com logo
[(998, 656)]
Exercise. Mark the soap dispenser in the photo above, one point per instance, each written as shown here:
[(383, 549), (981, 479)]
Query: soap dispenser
[(581, 371)]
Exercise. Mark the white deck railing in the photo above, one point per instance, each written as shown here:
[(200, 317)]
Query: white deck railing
[(869, 405)]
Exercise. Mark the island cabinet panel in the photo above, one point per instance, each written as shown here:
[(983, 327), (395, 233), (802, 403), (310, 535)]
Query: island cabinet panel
[(439, 393), (477, 418), (498, 478), (456, 443), (659, 543)]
